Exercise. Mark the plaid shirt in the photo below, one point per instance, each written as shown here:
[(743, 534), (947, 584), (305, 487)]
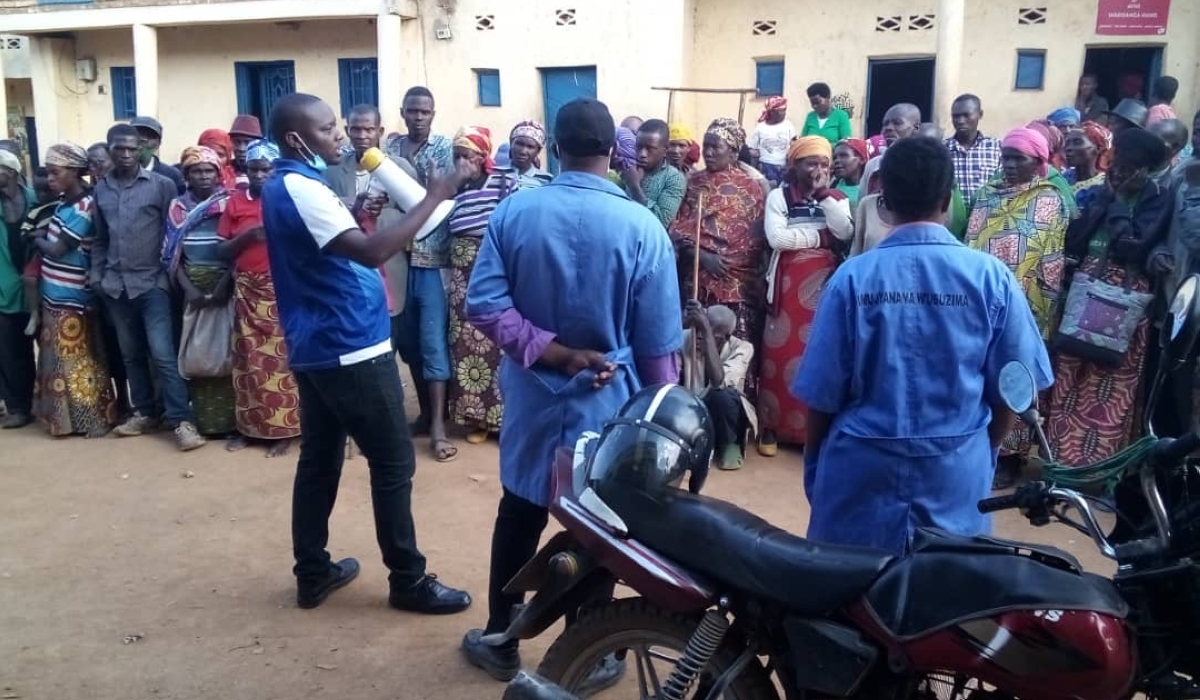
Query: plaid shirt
[(973, 166)]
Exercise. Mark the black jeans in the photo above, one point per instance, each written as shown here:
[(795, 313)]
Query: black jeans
[(17, 370), (519, 525), (729, 423), (366, 401)]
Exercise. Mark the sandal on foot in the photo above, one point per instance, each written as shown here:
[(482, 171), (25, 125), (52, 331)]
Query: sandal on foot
[(443, 450)]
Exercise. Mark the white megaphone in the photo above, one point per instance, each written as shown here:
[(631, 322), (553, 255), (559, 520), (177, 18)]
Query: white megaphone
[(403, 189)]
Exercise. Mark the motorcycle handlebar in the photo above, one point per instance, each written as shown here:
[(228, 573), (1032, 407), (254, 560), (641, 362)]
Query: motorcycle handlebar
[(1169, 453), (991, 505)]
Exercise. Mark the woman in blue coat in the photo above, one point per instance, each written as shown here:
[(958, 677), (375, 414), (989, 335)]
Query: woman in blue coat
[(901, 371)]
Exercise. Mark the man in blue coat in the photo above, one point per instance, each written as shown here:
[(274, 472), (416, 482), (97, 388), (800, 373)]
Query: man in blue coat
[(577, 284), (901, 371)]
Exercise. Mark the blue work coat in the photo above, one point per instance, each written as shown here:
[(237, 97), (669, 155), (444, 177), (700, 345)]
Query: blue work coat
[(905, 354), (581, 260)]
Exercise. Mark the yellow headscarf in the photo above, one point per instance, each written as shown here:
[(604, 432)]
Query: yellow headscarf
[(807, 146), (681, 132)]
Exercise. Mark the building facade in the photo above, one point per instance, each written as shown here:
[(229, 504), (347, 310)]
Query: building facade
[(73, 67)]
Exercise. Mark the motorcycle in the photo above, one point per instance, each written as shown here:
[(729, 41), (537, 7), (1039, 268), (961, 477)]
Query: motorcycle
[(728, 605)]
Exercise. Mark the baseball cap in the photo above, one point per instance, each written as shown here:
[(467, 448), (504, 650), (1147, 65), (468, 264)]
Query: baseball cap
[(584, 127), (147, 123)]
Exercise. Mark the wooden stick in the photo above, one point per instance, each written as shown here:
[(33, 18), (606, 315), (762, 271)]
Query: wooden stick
[(696, 278)]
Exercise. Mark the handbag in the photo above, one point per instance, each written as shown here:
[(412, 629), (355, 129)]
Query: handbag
[(1099, 319), (206, 345)]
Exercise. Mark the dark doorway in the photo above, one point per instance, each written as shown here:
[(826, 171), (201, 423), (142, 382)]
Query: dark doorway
[(260, 84), (894, 80), (1124, 71), (560, 86), (35, 161)]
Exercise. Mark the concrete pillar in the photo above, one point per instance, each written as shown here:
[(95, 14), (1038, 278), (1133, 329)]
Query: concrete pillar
[(387, 51), (145, 69), (3, 99), (948, 69), (43, 77)]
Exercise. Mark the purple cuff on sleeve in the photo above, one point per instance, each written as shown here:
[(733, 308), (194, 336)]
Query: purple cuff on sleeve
[(663, 369), (517, 337)]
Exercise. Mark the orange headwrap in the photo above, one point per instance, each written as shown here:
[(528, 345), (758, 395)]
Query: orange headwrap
[(808, 146), (479, 140)]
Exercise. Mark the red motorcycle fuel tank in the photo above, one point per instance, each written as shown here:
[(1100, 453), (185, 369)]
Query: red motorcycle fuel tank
[(1035, 654)]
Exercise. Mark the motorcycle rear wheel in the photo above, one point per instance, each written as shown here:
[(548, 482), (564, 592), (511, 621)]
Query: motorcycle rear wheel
[(645, 633)]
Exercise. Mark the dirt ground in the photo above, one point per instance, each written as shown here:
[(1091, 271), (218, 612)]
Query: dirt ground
[(102, 541)]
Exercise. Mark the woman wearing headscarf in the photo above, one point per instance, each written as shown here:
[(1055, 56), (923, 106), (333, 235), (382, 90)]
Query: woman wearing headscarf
[(732, 245), (74, 391), (267, 399), (1093, 408), (682, 150), (807, 225), (1021, 219), (1086, 152), (1054, 140), (222, 143), (849, 158), (16, 349), (771, 138), (191, 256), (474, 393), (1065, 118)]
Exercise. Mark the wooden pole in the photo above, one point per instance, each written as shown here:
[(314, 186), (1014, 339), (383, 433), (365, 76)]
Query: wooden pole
[(696, 281), (671, 107), (741, 108)]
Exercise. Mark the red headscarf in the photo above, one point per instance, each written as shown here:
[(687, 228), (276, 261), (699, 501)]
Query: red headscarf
[(860, 147), (219, 141), (773, 103), (479, 140), (1103, 139)]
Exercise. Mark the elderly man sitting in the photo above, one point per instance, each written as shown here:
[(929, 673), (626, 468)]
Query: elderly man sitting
[(716, 372)]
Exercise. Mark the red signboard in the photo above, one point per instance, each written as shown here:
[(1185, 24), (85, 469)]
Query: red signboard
[(1132, 17)]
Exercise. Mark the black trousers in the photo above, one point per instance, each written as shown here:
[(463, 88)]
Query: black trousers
[(17, 369), (519, 526), (366, 402), (729, 421)]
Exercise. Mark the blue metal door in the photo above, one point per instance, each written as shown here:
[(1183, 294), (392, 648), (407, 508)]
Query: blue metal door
[(560, 86), (260, 84)]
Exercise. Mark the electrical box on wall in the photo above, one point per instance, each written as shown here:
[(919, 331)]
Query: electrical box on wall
[(85, 69), (441, 30)]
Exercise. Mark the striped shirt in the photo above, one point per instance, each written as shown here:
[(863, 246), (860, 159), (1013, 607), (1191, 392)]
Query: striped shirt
[(64, 278), (473, 208)]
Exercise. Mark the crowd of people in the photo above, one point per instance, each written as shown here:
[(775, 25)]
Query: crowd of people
[(259, 291)]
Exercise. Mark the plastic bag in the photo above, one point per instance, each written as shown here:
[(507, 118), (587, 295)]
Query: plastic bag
[(206, 346)]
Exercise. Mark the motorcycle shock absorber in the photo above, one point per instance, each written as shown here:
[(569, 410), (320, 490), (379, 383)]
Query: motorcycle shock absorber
[(699, 651)]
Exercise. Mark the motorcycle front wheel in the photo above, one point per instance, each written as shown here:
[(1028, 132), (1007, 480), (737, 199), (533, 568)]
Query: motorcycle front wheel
[(651, 641)]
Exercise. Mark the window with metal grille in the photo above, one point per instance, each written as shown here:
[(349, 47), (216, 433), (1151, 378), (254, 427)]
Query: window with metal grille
[(488, 82), (358, 82), (565, 18), (921, 23), (1031, 15), (889, 24), (124, 92), (1031, 69), (485, 23), (764, 27), (768, 77)]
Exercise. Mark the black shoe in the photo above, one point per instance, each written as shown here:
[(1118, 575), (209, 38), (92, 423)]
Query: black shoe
[(500, 662), (430, 597), (311, 595), (1008, 468), (605, 675), (14, 421)]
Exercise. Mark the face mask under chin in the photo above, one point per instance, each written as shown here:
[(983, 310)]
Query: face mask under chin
[(314, 161)]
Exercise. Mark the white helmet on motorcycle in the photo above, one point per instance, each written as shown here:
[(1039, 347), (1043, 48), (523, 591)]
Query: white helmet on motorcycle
[(659, 434)]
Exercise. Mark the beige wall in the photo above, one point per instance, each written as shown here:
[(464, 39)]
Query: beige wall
[(630, 42), (197, 89), (832, 42)]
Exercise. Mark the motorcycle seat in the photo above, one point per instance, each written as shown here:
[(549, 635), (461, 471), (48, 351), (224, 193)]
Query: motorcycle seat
[(733, 547)]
